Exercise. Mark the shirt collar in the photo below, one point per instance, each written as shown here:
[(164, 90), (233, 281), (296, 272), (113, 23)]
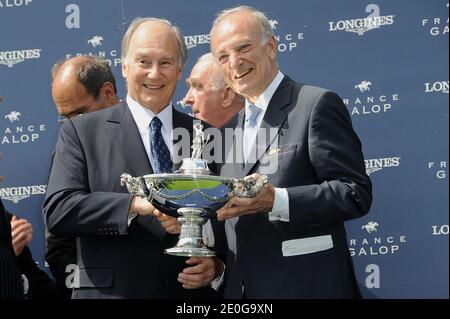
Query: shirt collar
[(264, 99), (143, 116)]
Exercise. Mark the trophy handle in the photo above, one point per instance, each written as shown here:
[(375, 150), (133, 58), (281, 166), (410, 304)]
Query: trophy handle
[(136, 186), (248, 186)]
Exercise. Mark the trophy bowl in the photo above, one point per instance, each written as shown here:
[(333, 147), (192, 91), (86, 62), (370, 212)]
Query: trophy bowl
[(193, 194), (193, 198)]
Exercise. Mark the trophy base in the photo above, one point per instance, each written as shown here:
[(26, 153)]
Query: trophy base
[(190, 252), (190, 242)]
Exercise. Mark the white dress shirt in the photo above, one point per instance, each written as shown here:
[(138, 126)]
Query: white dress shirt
[(143, 116), (280, 210)]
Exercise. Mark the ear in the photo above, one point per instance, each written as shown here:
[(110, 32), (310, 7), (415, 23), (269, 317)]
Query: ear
[(107, 91), (272, 47), (180, 73), (124, 69), (228, 96)]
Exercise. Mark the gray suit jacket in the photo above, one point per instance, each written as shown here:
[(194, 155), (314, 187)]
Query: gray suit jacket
[(316, 155), (84, 199)]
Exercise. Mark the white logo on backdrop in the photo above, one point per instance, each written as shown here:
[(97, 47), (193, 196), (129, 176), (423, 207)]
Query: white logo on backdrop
[(17, 193), (370, 226), (363, 86), (13, 116), (14, 3), (377, 164), (273, 24), (438, 26), (360, 26), (439, 169), (95, 41), (370, 103), (380, 244), (438, 86), (20, 133), (192, 41), (10, 58)]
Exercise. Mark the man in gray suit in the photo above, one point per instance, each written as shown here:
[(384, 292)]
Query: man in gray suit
[(120, 239), (289, 241)]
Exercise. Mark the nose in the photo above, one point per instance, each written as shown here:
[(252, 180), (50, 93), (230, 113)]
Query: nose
[(189, 98), (235, 61), (153, 71)]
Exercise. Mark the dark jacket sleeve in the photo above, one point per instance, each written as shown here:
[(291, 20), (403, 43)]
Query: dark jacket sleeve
[(70, 207), (10, 278), (344, 190)]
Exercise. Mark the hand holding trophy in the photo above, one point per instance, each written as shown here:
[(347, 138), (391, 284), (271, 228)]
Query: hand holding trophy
[(193, 193)]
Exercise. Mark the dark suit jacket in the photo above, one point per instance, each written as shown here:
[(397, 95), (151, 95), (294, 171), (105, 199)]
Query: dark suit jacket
[(40, 285), (10, 278), (318, 159), (84, 199)]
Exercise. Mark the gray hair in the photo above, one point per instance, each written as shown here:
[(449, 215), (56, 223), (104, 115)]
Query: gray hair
[(91, 71), (266, 28), (182, 50), (217, 77)]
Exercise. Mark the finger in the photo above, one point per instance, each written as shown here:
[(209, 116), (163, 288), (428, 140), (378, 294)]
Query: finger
[(173, 230), (18, 238), (22, 229), (16, 223), (229, 213), (201, 265), (194, 281), (170, 223), (157, 213), (193, 261), (164, 218)]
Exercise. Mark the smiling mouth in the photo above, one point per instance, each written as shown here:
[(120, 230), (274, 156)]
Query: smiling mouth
[(240, 76), (153, 87)]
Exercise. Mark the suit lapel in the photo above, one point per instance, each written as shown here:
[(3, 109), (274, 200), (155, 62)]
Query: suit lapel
[(274, 119), (125, 134), (181, 120), (233, 149)]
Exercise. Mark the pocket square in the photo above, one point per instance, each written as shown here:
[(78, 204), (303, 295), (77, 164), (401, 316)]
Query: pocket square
[(302, 246)]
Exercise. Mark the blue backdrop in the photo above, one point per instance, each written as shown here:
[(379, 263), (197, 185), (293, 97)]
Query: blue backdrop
[(393, 76)]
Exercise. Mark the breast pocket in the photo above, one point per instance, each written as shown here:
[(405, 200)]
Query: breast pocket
[(277, 157)]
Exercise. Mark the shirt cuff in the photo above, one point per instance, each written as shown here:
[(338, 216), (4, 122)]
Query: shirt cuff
[(218, 281), (280, 210), (130, 218), (208, 234)]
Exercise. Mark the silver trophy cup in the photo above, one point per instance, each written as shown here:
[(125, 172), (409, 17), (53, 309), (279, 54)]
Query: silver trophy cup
[(193, 194)]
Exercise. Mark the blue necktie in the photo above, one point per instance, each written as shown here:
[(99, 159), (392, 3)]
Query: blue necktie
[(160, 152), (250, 129)]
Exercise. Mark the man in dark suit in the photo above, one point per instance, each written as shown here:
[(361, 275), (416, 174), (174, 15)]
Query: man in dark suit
[(289, 241), (37, 283), (120, 240), (80, 85), (10, 279)]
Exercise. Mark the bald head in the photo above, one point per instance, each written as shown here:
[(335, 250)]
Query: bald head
[(211, 98), (83, 84), (153, 54)]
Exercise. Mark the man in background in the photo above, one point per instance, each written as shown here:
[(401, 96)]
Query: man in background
[(211, 98), (79, 85)]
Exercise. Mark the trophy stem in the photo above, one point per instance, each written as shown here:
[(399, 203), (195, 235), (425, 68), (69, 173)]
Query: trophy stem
[(190, 243)]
